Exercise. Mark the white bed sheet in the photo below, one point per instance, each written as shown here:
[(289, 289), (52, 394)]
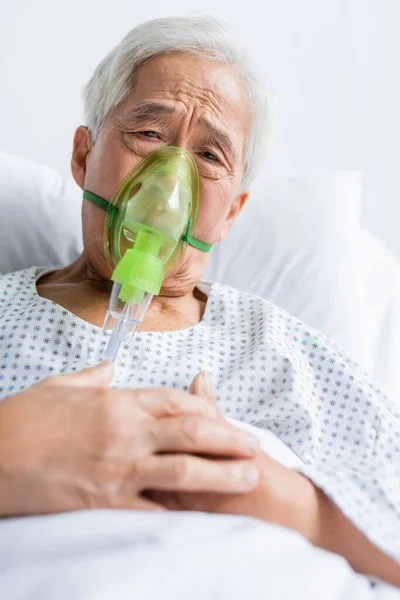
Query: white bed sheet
[(104, 555)]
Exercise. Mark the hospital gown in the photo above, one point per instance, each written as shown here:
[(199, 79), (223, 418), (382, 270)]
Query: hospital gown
[(269, 370)]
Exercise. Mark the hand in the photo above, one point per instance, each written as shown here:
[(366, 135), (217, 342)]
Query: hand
[(70, 442), (282, 496), (271, 500), (286, 498)]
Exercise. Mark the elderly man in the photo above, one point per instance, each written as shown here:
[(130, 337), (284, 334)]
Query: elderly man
[(186, 83)]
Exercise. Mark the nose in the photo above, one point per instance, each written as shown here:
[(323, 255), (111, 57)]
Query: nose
[(185, 128)]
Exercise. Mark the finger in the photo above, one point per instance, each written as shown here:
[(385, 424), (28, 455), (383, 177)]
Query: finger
[(99, 376), (130, 501), (196, 435), (199, 501), (186, 473), (202, 386), (170, 500), (172, 403)]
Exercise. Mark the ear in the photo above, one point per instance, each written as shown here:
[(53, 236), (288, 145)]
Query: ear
[(234, 211), (82, 147)]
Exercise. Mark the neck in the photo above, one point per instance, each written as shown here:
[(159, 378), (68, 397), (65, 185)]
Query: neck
[(83, 291)]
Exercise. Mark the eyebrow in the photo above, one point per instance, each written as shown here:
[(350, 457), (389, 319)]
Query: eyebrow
[(149, 109), (218, 136)]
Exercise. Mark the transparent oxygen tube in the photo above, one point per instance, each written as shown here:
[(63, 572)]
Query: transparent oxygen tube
[(122, 318), (137, 277)]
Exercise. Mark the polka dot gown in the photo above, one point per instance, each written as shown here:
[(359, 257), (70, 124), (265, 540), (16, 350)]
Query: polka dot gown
[(268, 369)]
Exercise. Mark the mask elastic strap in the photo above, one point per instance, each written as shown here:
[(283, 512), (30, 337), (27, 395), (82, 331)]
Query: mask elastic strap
[(198, 244), (112, 211), (103, 204)]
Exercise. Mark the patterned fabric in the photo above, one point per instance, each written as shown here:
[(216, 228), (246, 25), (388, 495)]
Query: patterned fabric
[(269, 370)]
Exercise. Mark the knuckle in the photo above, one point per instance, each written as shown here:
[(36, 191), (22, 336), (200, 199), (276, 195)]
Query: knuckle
[(182, 471), (172, 404), (139, 469), (152, 431), (192, 430)]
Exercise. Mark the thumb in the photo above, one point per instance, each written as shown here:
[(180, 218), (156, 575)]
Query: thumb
[(99, 376), (202, 386)]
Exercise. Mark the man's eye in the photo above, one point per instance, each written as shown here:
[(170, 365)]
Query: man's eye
[(210, 156), (152, 134)]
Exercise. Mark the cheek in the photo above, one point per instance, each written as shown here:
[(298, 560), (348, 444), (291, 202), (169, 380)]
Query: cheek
[(215, 201), (92, 225), (109, 163)]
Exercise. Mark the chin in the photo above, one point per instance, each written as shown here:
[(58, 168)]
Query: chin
[(186, 275)]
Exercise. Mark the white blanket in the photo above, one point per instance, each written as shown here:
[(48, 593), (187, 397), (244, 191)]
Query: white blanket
[(118, 555), (109, 555)]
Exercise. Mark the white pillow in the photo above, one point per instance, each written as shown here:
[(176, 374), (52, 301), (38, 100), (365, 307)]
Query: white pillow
[(297, 242), (382, 290), (40, 218)]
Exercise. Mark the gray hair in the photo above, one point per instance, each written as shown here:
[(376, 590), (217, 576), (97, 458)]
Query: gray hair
[(201, 35)]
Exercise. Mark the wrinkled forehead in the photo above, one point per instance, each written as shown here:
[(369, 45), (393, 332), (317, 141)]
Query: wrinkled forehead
[(187, 86)]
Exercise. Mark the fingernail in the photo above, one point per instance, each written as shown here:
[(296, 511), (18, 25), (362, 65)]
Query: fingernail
[(106, 364), (208, 384), (253, 444), (249, 475)]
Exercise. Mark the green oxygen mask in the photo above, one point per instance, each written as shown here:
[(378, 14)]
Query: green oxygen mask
[(149, 224)]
